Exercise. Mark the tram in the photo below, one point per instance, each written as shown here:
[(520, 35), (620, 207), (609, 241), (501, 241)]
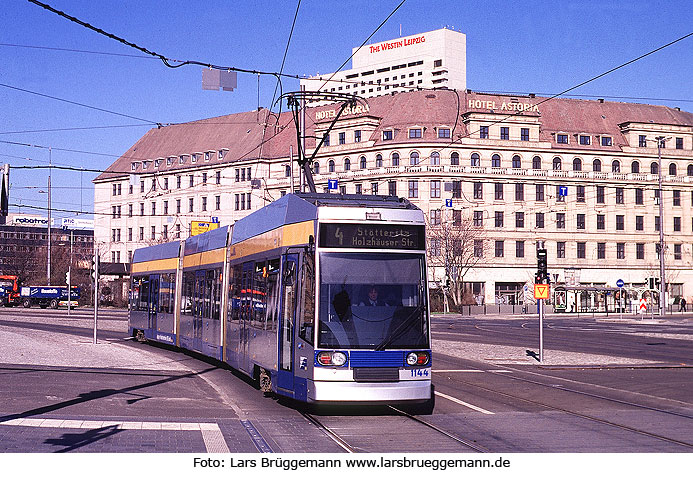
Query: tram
[(319, 297)]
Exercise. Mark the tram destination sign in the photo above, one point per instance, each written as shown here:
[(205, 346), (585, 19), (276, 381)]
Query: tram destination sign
[(372, 236)]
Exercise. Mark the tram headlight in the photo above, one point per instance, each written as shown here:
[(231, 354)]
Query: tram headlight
[(332, 358), (417, 358)]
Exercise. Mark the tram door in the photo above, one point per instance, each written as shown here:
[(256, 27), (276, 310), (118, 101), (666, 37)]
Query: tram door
[(285, 375), (153, 301), (246, 315), (198, 309)]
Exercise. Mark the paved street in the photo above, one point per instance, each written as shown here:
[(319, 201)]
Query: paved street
[(604, 386)]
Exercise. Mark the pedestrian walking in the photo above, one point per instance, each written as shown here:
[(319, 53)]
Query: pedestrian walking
[(682, 305)]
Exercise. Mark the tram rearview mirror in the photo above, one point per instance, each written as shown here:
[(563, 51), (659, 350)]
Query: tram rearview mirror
[(289, 269)]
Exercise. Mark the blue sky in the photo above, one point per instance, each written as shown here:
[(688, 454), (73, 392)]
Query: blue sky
[(522, 46)]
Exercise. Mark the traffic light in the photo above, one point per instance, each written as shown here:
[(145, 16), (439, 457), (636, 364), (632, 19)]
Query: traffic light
[(94, 268), (542, 266)]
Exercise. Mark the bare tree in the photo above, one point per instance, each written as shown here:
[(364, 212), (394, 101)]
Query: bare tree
[(456, 245)]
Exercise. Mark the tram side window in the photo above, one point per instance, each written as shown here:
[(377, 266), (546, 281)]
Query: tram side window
[(186, 304), (143, 302), (259, 295), (306, 316), (273, 294), (216, 294), (166, 293), (207, 294), (234, 299), (135, 292)]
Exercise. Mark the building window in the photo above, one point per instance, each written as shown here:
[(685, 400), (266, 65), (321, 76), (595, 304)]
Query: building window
[(495, 161), (504, 132), (498, 191), (539, 194), (517, 162), (165, 208), (204, 203), (601, 250), (635, 167), (217, 177), (498, 218), (455, 159), (153, 233), (192, 180), (585, 140), (639, 223), (672, 169), (374, 188), (395, 159), (357, 136), (677, 224), (519, 192), (434, 247), (415, 133), (141, 209), (656, 223), (478, 248), (642, 141), (519, 219), (347, 164), (615, 166), (639, 194), (640, 250), (596, 165), (677, 252), (217, 203), (606, 141), (676, 197), (560, 250), (601, 221), (620, 250), (413, 189), (580, 193), (560, 220), (475, 159), (581, 250), (435, 158), (556, 163), (387, 135), (580, 221), (478, 218), (358, 189), (435, 188), (435, 217), (177, 206), (204, 178), (536, 162), (330, 166), (326, 139), (620, 196), (456, 217), (499, 249), (378, 160), (519, 248), (443, 132), (654, 168), (141, 233), (413, 158), (392, 188), (478, 190), (524, 134), (562, 138), (577, 164), (362, 162), (483, 132), (600, 194), (620, 222)]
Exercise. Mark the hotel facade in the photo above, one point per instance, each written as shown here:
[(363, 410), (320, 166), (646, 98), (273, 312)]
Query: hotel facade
[(579, 175)]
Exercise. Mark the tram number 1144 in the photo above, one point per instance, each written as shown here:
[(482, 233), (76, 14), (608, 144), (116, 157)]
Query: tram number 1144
[(417, 372)]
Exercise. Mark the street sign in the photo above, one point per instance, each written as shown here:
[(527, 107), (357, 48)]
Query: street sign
[(563, 191), (215, 219), (620, 283), (541, 291), (332, 184), (643, 305), (448, 202)]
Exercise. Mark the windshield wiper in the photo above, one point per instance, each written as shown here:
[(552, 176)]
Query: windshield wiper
[(401, 328)]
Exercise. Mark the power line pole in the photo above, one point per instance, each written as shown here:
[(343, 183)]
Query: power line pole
[(662, 281), (50, 163)]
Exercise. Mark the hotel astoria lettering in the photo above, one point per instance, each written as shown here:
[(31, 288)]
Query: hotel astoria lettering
[(356, 110), (505, 106)]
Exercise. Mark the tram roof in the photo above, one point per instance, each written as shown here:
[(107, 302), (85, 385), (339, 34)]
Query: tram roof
[(208, 241), (158, 251), (288, 209)]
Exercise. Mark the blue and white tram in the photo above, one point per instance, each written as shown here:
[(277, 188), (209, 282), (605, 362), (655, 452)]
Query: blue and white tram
[(319, 297)]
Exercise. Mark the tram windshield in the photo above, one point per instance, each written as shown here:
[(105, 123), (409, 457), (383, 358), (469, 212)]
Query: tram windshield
[(372, 301)]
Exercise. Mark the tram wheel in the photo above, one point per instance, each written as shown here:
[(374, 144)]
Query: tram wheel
[(139, 336), (265, 381), (26, 303), (54, 303)]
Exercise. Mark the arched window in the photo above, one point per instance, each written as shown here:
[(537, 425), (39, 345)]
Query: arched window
[(435, 158), (495, 161), (330, 166), (615, 166), (395, 159), (476, 160), (362, 162), (556, 163), (517, 162), (287, 170), (654, 168), (378, 160), (577, 164), (635, 167), (689, 172), (672, 169), (455, 159), (413, 158), (347, 164), (596, 165), (536, 162), (316, 168)]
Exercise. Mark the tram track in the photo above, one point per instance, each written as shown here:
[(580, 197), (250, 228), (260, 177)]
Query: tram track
[(591, 418), (351, 448)]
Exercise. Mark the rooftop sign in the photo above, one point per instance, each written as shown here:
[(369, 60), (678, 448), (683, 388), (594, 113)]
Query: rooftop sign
[(391, 45), (504, 106)]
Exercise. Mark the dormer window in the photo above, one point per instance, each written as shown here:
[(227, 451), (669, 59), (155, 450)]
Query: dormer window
[(585, 140), (562, 138), (145, 164), (207, 156), (181, 159), (221, 153), (133, 166), (415, 133), (387, 135), (169, 161), (606, 141), (193, 158), (157, 162), (443, 132)]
